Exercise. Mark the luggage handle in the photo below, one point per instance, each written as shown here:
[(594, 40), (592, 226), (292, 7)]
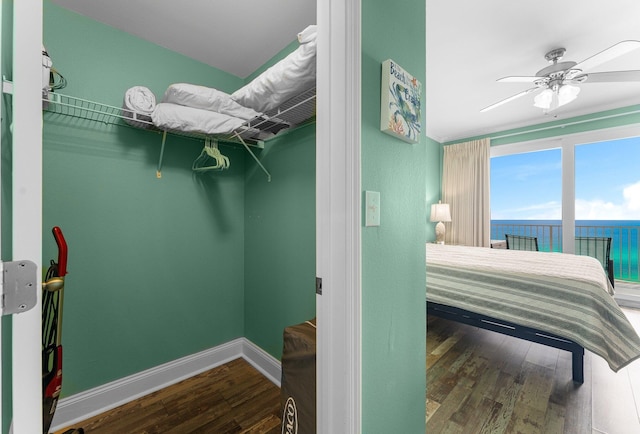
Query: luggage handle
[(62, 251)]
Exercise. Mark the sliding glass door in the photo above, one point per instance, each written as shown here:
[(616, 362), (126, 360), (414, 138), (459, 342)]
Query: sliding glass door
[(607, 202)]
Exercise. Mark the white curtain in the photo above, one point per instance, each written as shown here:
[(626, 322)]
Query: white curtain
[(465, 187)]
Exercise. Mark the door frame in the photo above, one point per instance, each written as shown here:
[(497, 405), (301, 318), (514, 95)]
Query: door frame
[(27, 209), (338, 217)]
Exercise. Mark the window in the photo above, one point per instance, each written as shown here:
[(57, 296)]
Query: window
[(568, 185), (608, 199), (526, 196)]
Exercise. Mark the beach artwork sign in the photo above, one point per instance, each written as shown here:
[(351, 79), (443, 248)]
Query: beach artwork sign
[(400, 106)]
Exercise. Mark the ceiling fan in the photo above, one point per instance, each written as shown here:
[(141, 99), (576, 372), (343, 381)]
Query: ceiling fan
[(558, 82)]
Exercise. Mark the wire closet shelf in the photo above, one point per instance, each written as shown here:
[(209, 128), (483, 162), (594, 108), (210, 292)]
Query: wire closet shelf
[(253, 133), (65, 105)]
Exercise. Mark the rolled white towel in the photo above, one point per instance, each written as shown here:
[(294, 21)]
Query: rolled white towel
[(207, 98), (138, 105)]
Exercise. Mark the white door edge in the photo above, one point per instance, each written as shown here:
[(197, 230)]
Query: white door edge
[(27, 208)]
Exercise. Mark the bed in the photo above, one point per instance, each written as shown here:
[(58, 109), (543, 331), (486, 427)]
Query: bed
[(561, 300)]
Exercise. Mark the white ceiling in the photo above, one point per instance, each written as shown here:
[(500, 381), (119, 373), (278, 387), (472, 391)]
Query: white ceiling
[(236, 36), (470, 44)]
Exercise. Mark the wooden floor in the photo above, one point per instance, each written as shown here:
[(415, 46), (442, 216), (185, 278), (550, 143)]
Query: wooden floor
[(483, 382), (233, 398), (477, 382)]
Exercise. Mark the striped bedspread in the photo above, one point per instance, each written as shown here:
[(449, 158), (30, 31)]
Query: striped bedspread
[(567, 295)]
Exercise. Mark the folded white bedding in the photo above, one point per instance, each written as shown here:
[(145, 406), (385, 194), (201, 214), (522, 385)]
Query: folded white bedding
[(138, 104), (206, 98), (177, 117), (289, 77)]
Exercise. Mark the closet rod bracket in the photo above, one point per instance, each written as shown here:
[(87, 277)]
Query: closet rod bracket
[(164, 141), (239, 137)]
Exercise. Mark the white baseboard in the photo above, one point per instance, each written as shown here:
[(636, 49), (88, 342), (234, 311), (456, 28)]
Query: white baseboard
[(264, 362), (84, 405)]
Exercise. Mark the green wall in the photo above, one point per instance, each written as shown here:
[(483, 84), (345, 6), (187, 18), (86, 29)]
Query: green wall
[(157, 267), (6, 62), (393, 254), (280, 240), (595, 121), (434, 182), (280, 233)]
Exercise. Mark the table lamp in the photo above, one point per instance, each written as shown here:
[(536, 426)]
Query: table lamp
[(440, 213)]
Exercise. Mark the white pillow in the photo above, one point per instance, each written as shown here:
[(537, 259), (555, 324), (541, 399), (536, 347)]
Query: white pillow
[(207, 98), (289, 77)]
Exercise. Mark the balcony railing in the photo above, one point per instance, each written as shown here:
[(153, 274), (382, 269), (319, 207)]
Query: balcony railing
[(624, 242)]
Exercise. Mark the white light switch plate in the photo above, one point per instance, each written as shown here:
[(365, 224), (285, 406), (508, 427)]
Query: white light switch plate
[(372, 205)]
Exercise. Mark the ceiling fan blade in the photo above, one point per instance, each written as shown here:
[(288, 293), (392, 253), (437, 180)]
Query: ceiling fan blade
[(607, 77), (517, 79), (609, 54), (511, 98)]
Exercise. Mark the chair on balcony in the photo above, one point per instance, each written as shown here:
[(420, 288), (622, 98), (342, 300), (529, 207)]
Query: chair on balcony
[(599, 248), (521, 242)]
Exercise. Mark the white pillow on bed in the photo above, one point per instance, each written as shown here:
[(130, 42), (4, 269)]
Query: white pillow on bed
[(206, 98), (289, 77)]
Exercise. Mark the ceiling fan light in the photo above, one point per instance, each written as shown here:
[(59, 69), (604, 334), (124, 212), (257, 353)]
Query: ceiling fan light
[(567, 93), (543, 99)]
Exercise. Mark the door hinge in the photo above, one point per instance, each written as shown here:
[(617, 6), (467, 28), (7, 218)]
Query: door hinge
[(19, 286), (319, 285), (7, 86)]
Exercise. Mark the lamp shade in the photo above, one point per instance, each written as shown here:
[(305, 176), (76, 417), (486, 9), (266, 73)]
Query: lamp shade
[(567, 93), (544, 99), (548, 99), (440, 212)]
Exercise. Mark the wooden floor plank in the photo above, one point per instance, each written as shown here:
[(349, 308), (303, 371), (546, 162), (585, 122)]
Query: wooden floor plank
[(232, 398), (486, 382), (554, 419)]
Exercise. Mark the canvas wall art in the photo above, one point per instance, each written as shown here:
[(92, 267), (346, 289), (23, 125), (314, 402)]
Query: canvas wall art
[(400, 108)]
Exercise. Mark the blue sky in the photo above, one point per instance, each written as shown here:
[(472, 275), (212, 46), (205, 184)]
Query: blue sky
[(528, 186)]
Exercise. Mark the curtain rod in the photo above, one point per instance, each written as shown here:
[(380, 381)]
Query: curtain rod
[(534, 130)]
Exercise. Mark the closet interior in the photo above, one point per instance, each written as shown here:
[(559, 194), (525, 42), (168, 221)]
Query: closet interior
[(215, 251)]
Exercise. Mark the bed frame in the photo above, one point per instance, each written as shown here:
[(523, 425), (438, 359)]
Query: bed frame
[(516, 330)]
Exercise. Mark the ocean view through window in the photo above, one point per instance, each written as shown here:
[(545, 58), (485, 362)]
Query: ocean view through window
[(526, 198)]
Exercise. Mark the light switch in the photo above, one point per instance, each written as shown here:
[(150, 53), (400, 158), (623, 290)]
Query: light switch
[(372, 205)]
